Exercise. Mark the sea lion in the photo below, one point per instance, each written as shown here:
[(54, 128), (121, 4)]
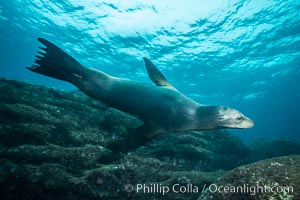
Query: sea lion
[(162, 107)]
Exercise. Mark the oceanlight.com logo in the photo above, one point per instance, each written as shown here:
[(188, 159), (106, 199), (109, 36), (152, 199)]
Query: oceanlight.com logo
[(252, 190), (212, 188)]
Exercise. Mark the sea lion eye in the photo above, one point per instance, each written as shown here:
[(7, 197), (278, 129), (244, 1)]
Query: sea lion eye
[(221, 118), (239, 119)]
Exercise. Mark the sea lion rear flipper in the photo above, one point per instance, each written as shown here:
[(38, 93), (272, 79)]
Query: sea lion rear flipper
[(52, 61), (156, 76)]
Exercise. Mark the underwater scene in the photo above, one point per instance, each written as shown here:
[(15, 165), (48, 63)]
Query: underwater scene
[(150, 99)]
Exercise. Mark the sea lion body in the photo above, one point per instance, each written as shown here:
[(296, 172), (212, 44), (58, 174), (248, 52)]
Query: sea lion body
[(162, 107), (176, 111)]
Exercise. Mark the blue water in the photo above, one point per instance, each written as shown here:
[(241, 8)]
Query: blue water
[(244, 54)]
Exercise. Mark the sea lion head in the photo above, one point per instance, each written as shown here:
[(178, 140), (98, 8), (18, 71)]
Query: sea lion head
[(231, 118)]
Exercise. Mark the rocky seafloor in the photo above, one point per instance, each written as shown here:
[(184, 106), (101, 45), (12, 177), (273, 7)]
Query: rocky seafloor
[(53, 145)]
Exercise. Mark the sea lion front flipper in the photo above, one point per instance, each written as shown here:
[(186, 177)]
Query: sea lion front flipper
[(140, 137), (156, 76)]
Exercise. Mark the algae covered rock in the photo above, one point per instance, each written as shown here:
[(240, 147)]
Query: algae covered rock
[(206, 150), (72, 158), (54, 181), (277, 178), (262, 148)]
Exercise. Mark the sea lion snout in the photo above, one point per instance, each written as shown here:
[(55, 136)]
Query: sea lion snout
[(246, 123)]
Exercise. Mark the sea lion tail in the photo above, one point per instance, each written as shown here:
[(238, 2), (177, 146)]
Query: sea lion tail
[(52, 61)]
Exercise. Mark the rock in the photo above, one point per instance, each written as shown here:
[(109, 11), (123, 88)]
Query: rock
[(72, 158), (277, 178), (53, 146), (206, 151), (26, 181), (262, 148), (54, 181)]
